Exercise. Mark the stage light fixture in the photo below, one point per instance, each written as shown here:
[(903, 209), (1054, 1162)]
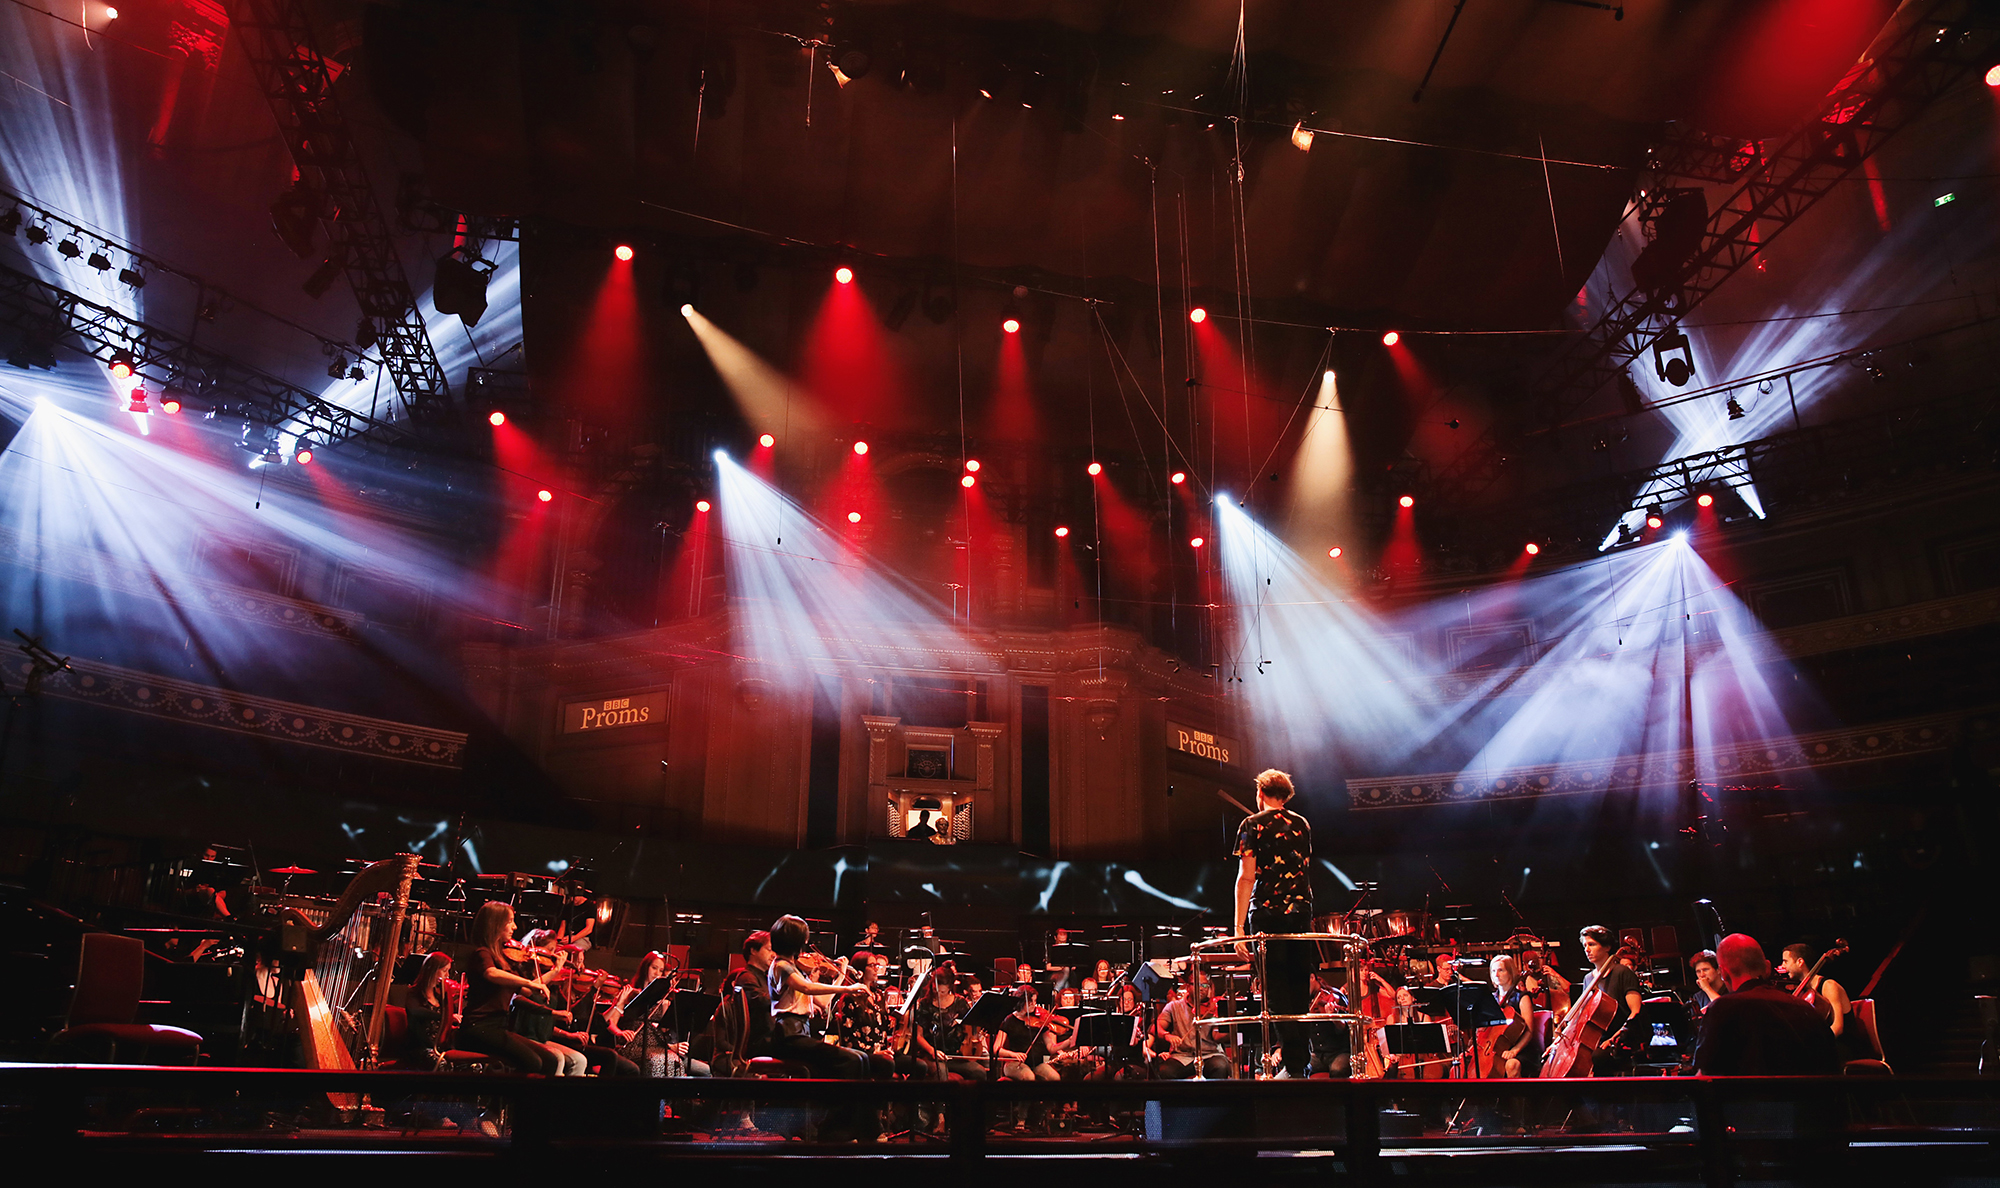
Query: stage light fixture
[(1302, 137), (854, 517), (122, 365), (1993, 77), (1011, 325), (687, 311), (701, 505), (68, 249), (1736, 412), (322, 278), (1654, 516), (1407, 501), (338, 368), (766, 440), (99, 260), (132, 278), (545, 495), (1533, 549), (967, 481), (972, 464), (38, 234), (460, 287), (1177, 477), (1391, 338), (138, 404), (1196, 542), (1335, 552), (496, 418), (1704, 500), (1676, 371), (170, 404), (1197, 315), (364, 333), (1095, 469), (624, 253), (1061, 532), (10, 222), (844, 275), (110, 13), (303, 455), (356, 374), (860, 447), (271, 456)]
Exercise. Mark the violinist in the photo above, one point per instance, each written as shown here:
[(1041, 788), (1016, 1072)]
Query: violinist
[(574, 993), (937, 1035), (861, 1023), (791, 1017), (1127, 1061), (1022, 1050), (1329, 1040), (501, 972), (1186, 1040), (1072, 1063)]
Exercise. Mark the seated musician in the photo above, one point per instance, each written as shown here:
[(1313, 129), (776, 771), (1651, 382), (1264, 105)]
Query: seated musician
[(1024, 974), (1758, 1029), (1021, 1045), (646, 1041), (1546, 987), (426, 1006), (1330, 1054), (575, 1003), (1829, 998), (871, 936), (718, 1047), (1708, 983), (938, 1028), (792, 993), (1621, 985), (494, 982), (1186, 1040), (863, 1024), (1522, 1055)]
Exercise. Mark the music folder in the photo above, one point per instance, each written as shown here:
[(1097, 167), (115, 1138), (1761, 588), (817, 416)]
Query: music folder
[(1415, 1039)]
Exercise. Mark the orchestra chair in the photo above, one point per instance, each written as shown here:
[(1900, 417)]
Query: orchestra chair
[(111, 972), (459, 1060), (1665, 952), (1003, 972), (1544, 1023), (764, 1067), (1864, 1018)]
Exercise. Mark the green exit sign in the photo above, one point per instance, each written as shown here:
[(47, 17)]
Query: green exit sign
[(1944, 199)]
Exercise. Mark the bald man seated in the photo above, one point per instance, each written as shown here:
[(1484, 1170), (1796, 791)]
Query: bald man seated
[(1758, 1029)]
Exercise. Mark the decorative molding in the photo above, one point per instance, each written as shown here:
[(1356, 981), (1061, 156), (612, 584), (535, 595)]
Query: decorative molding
[(1673, 769), (240, 713)]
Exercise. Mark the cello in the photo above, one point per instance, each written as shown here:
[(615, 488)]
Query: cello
[(1574, 1046)]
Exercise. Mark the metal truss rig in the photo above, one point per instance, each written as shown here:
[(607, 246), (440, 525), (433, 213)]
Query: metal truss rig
[(30, 307), (1903, 74), (283, 53)]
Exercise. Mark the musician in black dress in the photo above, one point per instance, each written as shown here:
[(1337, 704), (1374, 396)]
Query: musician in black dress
[(1274, 895)]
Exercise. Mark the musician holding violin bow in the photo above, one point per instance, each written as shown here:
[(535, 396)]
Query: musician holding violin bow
[(506, 976)]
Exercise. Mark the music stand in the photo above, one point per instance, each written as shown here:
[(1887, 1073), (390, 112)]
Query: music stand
[(642, 1003), (692, 1009), (992, 1007), (1470, 1004), (1103, 1030), (1415, 1039)]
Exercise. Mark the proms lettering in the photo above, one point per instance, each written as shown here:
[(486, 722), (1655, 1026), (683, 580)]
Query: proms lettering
[(611, 713), (1200, 743)]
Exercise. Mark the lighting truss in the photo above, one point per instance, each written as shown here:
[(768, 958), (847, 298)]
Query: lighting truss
[(1908, 70), (278, 39), (161, 358)]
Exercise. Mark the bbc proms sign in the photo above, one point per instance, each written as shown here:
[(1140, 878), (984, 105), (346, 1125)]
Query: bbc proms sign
[(1201, 744), (613, 713)]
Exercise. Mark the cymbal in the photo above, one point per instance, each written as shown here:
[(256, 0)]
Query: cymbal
[(293, 870)]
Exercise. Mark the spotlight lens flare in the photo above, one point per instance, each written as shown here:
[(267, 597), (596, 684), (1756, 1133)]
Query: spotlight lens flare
[(766, 440), (1993, 77), (972, 464), (1391, 338), (1533, 549), (303, 457), (967, 481), (1654, 521), (496, 419), (623, 251), (1196, 542), (701, 505), (1011, 325), (1177, 477), (1061, 533), (1407, 501), (1197, 315), (545, 495), (170, 406), (687, 311), (860, 447), (1335, 552), (854, 517), (1095, 469), (844, 275), (1705, 499)]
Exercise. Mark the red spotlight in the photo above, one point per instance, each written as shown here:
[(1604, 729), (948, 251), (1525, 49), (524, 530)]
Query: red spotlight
[(1705, 499), (972, 464), (122, 366), (1654, 521), (1196, 543), (496, 418), (1391, 338), (1993, 77), (1095, 468), (1197, 315), (1335, 552), (1533, 548), (844, 274), (1407, 501), (545, 495), (623, 251), (1011, 325), (170, 405), (860, 447), (701, 505), (303, 456), (854, 517), (967, 481), (1061, 532), (767, 441), (1178, 477)]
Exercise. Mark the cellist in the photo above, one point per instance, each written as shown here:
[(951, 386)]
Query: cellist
[(1609, 1000)]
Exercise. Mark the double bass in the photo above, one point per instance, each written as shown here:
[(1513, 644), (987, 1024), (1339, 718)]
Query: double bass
[(1574, 1046)]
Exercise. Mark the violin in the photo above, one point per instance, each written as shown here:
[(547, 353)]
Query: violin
[(521, 954)]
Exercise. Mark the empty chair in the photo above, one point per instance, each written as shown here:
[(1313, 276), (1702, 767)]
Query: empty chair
[(111, 972)]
